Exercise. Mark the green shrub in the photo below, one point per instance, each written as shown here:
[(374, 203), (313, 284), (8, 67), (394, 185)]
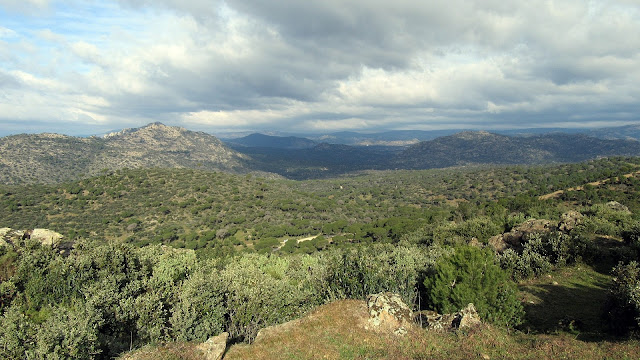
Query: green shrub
[(540, 253), (200, 310), (622, 309), (357, 272), (262, 291), (471, 275), (69, 334), (17, 334)]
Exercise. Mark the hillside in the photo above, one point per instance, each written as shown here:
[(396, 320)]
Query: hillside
[(160, 260), (480, 147), (321, 161), (51, 158), (278, 142)]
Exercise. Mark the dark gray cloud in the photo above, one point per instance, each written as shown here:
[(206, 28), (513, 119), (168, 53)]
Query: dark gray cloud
[(358, 64)]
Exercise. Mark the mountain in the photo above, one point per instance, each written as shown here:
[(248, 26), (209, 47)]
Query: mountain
[(480, 147), (385, 138), (321, 161), (620, 132), (49, 158), (278, 142)]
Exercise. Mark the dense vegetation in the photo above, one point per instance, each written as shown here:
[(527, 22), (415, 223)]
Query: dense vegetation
[(166, 255)]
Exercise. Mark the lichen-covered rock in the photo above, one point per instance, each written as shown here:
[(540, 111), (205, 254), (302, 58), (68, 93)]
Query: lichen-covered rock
[(515, 238), (466, 318), (14, 238), (214, 347), (614, 205), (569, 220), (46, 236), (388, 313), (469, 317)]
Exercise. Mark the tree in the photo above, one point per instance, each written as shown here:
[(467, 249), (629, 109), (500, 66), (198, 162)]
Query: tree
[(471, 275)]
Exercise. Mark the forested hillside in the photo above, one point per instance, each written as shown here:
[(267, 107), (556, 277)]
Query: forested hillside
[(164, 256), (479, 147)]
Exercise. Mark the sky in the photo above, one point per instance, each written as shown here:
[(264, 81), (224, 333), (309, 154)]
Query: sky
[(86, 67)]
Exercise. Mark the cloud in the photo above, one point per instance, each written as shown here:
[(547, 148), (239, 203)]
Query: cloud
[(28, 7), (360, 64)]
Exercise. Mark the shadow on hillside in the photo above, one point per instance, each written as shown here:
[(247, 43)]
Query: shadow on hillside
[(575, 309), (609, 253)]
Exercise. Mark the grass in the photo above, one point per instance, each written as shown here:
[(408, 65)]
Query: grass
[(568, 300), (336, 331)]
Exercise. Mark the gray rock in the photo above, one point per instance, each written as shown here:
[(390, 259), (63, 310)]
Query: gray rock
[(388, 313), (516, 238), (569, 220), (46, 236), (464, 319), (214, 347), (614, 205)]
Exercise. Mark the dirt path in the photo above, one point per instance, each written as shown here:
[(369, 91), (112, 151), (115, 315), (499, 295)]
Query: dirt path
[(298, 241), (557, 193)]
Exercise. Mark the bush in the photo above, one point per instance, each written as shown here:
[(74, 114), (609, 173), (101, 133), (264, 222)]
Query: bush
[(17, 334), (481, 228), (471, 275), (356, 273), (622, 309), (540, 253), (631, 236), (262, 291), (69, 334), (200, 310)]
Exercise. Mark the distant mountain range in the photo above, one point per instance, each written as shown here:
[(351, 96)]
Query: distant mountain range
[(479, 147), (49, 158), (410, 137), (278, 142)]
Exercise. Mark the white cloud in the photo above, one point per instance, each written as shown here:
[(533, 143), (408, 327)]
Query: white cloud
[(325, 65), (7, 33)]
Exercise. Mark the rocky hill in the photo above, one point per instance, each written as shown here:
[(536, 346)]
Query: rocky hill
[(480, 147), (50, 158)]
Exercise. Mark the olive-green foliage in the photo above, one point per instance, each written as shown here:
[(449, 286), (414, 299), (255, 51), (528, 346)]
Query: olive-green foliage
[(631, 236), (540, 253), (183, 207), (105, 298), (200, 310), (17, 334), (471, 275), (480, 228), (263, 291), (358, 272), (70, 333), (382, 232), (622, 310)]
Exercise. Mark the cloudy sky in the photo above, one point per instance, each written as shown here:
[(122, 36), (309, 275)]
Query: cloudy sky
[(85, 67)]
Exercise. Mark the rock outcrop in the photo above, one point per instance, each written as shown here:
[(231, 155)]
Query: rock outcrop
[(214, 347), (388, 313), (519, 235), (50, 238), (463, 319), (515, 238), (614, 205), (46, 237), (569, 220)]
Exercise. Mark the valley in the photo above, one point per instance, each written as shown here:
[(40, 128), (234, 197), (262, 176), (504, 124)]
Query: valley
[(161, 253)]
